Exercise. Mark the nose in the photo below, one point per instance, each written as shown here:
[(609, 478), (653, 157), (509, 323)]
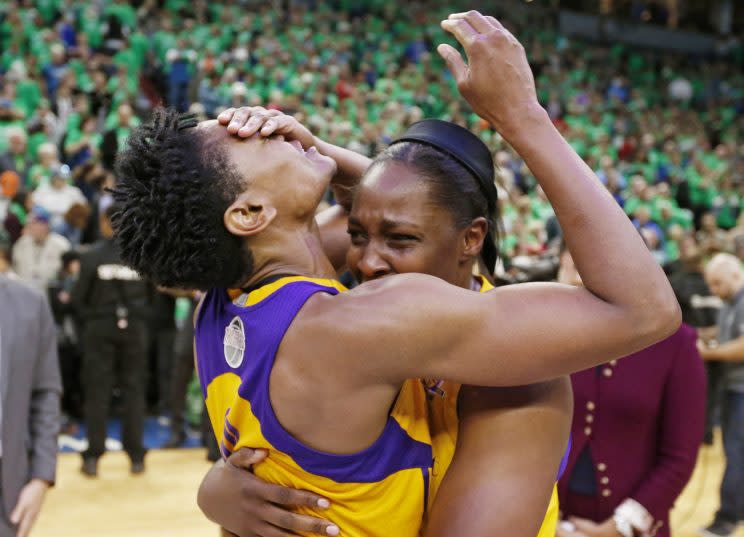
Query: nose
[(372, 265)]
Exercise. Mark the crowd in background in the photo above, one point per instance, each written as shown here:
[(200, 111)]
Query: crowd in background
[(662, 131)]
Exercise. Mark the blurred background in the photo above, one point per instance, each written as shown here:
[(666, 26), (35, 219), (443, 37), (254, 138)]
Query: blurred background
[(649, 93)]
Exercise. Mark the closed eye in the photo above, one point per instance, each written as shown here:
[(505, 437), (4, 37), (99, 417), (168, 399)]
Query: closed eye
[(357, 236)]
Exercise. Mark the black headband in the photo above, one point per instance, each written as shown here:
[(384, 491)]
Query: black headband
[(462, 145)]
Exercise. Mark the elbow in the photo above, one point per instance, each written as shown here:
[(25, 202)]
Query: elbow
[(662, 316)]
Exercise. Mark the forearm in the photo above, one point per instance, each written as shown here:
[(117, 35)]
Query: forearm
[(610, 255), (509, 448), (731, 351), (208, 493), (350, 168), (45, 401), (44, 431)]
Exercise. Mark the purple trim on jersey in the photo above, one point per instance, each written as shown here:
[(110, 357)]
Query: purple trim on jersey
[(231, 429), (226, 433), (564, 460), (223, 449), (265, 325)]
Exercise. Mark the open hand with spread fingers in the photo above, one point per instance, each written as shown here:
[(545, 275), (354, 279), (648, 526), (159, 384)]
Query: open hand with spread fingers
[(496, 80)]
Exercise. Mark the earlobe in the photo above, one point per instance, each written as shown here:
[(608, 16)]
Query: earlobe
[(245, 219)]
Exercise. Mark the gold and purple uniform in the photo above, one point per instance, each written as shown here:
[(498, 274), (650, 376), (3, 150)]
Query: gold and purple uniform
[(444, 425), (381, 490), (384, 488)]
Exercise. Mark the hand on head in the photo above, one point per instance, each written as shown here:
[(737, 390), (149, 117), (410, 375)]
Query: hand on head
[(249, 120), (497, 80)]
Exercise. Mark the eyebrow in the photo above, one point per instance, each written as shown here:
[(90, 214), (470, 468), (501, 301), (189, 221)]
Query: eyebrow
[(386, 224)]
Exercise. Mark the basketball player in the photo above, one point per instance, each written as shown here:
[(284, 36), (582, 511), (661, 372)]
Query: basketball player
[(324, 387), (440, 189)]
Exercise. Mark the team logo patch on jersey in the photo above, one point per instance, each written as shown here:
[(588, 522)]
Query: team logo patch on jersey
[(234, 343)]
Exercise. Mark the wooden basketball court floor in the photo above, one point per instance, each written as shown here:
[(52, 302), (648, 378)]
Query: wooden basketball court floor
[(162, 502)]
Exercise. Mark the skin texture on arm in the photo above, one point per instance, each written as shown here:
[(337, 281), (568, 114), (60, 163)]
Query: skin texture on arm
[(433, 331), (441, 331), (608, 252), (509, 448), (510, 445)]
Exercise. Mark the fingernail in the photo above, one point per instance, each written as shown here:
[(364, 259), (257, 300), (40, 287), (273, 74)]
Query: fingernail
[(325, 504), (332, 530)]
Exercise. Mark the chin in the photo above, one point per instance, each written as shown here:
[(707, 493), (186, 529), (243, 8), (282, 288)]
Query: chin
[(325, 165)]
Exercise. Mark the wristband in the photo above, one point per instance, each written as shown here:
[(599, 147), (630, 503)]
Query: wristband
[(636, 515), (622, 525)]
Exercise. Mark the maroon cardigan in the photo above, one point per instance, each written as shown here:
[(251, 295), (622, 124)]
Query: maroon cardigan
[(642, 418)]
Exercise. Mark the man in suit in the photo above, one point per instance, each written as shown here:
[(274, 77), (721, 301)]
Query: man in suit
[(30, 389)]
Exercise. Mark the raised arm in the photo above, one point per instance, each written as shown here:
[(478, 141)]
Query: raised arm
[(509, 448), (610, 255), (414, 326), (350, 166)]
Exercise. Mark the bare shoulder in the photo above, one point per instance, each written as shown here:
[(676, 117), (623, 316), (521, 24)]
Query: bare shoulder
[(374, 324), (379, 301)]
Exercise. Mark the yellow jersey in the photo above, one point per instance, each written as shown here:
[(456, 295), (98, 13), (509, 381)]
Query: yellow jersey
[(444, 425), (380, 491)]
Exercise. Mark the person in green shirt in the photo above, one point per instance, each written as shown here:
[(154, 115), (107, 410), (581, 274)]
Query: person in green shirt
[(48, 163)]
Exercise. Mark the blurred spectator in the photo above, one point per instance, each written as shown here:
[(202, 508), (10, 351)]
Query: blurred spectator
[(637, 425), (181, 372), (6, 268), (48, 164), (699, 310), (55, 70), (37, 256), (725, 277), (119, 129), (16, 159), (110, 300), (181, 61), (29, 405), (60, 296), (58, 197), (711, 238), (161, 335)]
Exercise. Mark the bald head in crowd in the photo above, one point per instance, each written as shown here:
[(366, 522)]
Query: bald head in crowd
[(725, 276)]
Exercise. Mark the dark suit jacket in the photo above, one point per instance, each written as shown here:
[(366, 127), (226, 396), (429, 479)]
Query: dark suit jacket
[(642, 418), (30, 388)]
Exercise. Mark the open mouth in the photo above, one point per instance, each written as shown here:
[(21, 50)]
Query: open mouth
[(298, 146)]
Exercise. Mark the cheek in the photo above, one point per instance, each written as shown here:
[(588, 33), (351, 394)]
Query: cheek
[(353, 256), (422, 258)]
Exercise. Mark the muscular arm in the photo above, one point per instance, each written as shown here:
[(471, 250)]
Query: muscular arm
[(415, 326), (510, 444), (350, 168), (332, 222)]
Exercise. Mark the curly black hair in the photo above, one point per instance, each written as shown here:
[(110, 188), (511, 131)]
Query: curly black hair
[(172, 194)]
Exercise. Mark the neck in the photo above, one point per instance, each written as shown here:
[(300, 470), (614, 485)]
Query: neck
[(299, 254), (465, 278)]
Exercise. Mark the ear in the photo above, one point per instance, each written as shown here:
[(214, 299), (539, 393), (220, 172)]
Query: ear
[(248, 215), (473, 238)]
